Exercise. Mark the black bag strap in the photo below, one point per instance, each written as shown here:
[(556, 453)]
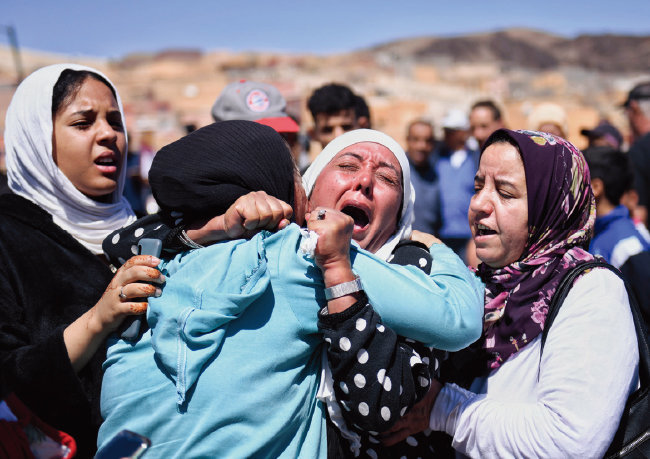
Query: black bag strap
[(640, 327)]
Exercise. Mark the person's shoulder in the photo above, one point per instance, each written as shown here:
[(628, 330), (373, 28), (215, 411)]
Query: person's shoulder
[(614, 225), (11, 202), (292, 248), (594, 276), (221, 260), (260, 243), (598, 298), (599, 284), (291, 236), (292, 231), (641, 145), (16, 211)]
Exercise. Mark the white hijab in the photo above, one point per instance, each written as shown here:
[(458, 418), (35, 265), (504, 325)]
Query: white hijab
[(32, 173), (368, 135)]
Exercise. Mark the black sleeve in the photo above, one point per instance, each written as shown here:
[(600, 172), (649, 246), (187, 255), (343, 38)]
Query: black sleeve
[(377, 375), (122, 244), (39, 371)]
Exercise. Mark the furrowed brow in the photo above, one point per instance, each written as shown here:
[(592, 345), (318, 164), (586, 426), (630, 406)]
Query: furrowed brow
[(503, 182), (353, 154), (83, 112)]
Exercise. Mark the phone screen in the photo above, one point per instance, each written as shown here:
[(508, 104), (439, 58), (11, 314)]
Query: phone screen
[(125, 444)]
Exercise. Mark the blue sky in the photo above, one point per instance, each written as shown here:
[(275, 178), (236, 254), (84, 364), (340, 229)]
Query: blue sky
[(114, 29)]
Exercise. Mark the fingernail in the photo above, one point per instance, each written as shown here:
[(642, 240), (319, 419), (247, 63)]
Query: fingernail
[(157, 293), (155, 260)]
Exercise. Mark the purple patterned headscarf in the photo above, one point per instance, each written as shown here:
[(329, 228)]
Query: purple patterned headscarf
[(561, 215)]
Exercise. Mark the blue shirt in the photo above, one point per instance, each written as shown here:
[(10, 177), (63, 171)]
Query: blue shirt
[(616, 238), (456, 189), (427, 199), (230, 367)]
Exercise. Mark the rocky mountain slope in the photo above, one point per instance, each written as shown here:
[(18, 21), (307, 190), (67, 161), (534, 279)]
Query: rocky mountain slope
[(423, 77), (531, 49)]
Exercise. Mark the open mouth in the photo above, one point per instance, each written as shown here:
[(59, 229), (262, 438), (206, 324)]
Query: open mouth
[(360, 217), (106, 161), (482, 230), (107, 164)]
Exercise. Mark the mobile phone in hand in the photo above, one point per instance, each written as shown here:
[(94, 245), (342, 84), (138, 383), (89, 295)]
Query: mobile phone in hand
[(146, 246)]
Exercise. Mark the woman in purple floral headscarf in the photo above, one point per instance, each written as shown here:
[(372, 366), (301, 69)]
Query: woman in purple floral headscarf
[(561, 215), (532, 217)]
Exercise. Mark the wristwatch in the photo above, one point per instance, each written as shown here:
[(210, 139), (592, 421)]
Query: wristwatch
[(343, 289)]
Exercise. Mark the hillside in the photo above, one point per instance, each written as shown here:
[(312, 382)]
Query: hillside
[(531, 49), (401, 80)]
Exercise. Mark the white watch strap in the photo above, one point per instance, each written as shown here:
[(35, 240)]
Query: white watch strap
[(343, 289)]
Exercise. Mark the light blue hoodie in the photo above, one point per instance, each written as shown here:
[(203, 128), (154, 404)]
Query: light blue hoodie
[(230, 367)]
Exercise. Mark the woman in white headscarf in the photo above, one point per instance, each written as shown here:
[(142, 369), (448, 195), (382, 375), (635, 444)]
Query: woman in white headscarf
[(402, 229), (357, 170), (66, 151)]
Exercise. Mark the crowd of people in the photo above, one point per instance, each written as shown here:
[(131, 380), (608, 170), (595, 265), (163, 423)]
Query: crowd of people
[(378, 301)]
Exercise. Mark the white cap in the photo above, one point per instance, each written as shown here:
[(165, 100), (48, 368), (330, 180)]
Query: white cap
[(456, 119)]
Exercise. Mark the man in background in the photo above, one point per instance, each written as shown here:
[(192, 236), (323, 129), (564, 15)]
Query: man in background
[(362, 112), (333, 108), (419, 149), (455, 167), (484, 118), (637, 109)]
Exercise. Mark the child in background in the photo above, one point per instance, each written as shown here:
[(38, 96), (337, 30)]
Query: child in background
[(615, 235)]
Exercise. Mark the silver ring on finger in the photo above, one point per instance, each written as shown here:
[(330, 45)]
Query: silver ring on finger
[(321, 214), (122, 295)]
